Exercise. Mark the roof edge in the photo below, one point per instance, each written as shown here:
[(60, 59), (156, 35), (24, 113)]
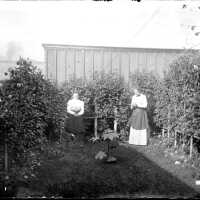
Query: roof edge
[(46, 45)]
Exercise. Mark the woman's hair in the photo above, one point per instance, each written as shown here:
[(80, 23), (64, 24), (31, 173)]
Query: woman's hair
[(136, 87), (74, 91)]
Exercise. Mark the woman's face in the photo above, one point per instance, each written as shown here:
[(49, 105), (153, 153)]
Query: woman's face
[(75, 96), (136, 92)]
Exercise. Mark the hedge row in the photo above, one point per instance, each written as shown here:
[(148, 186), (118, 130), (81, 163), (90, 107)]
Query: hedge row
[(101, 97), (178, 97), (111, 93)]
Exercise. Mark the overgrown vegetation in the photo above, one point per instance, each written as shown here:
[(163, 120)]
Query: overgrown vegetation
[(178, 98), (32, 111)]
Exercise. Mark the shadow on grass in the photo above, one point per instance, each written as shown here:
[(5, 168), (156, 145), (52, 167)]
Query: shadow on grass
[(78, 174)]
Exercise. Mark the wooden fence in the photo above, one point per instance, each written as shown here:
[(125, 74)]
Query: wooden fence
[(66, 62)]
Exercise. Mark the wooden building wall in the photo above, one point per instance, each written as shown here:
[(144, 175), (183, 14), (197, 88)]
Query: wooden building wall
[(64, 62)]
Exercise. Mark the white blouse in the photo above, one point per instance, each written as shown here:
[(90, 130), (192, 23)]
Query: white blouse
[(75, 103), (140, 101)]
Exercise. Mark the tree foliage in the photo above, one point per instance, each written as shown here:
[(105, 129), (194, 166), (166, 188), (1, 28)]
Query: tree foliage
[(31, 107), (178, 96)]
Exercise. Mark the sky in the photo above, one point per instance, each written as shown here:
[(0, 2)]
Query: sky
[(25, 26)]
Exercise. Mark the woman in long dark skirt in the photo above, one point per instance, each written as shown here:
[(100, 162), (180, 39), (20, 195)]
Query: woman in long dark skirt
[(138, 121), (74, 122)]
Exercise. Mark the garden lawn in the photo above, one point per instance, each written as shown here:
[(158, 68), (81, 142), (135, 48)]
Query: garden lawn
[(77, 174)]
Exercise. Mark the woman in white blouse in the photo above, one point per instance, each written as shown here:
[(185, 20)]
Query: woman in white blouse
[(138, 121), (75, 110)]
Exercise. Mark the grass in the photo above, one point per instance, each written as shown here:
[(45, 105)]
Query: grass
[(78, 174)]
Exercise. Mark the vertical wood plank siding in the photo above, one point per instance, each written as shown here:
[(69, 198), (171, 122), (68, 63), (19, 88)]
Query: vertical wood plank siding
[(61, 69), (51, 60), (88, 64), (64, 62)]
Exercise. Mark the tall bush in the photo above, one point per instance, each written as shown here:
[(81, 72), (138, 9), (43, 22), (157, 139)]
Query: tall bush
[(178, 99), (185, 92), (162, 101), (31, 107)]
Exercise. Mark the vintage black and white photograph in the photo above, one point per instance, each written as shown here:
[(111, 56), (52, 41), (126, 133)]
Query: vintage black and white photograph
[(100, 99)]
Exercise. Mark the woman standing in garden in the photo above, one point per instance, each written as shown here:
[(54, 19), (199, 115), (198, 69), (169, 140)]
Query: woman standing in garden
[(75, 110), (138, 121)]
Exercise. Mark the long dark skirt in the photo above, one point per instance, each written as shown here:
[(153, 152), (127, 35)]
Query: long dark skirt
[(74, 124), (139, 128), (138, 119)]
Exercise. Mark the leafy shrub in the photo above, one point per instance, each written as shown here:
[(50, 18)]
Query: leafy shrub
[(108, 92), (161, 104), (178, 97), (31, 107)]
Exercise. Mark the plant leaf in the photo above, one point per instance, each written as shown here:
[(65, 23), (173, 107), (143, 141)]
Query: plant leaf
[(100, 155)]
